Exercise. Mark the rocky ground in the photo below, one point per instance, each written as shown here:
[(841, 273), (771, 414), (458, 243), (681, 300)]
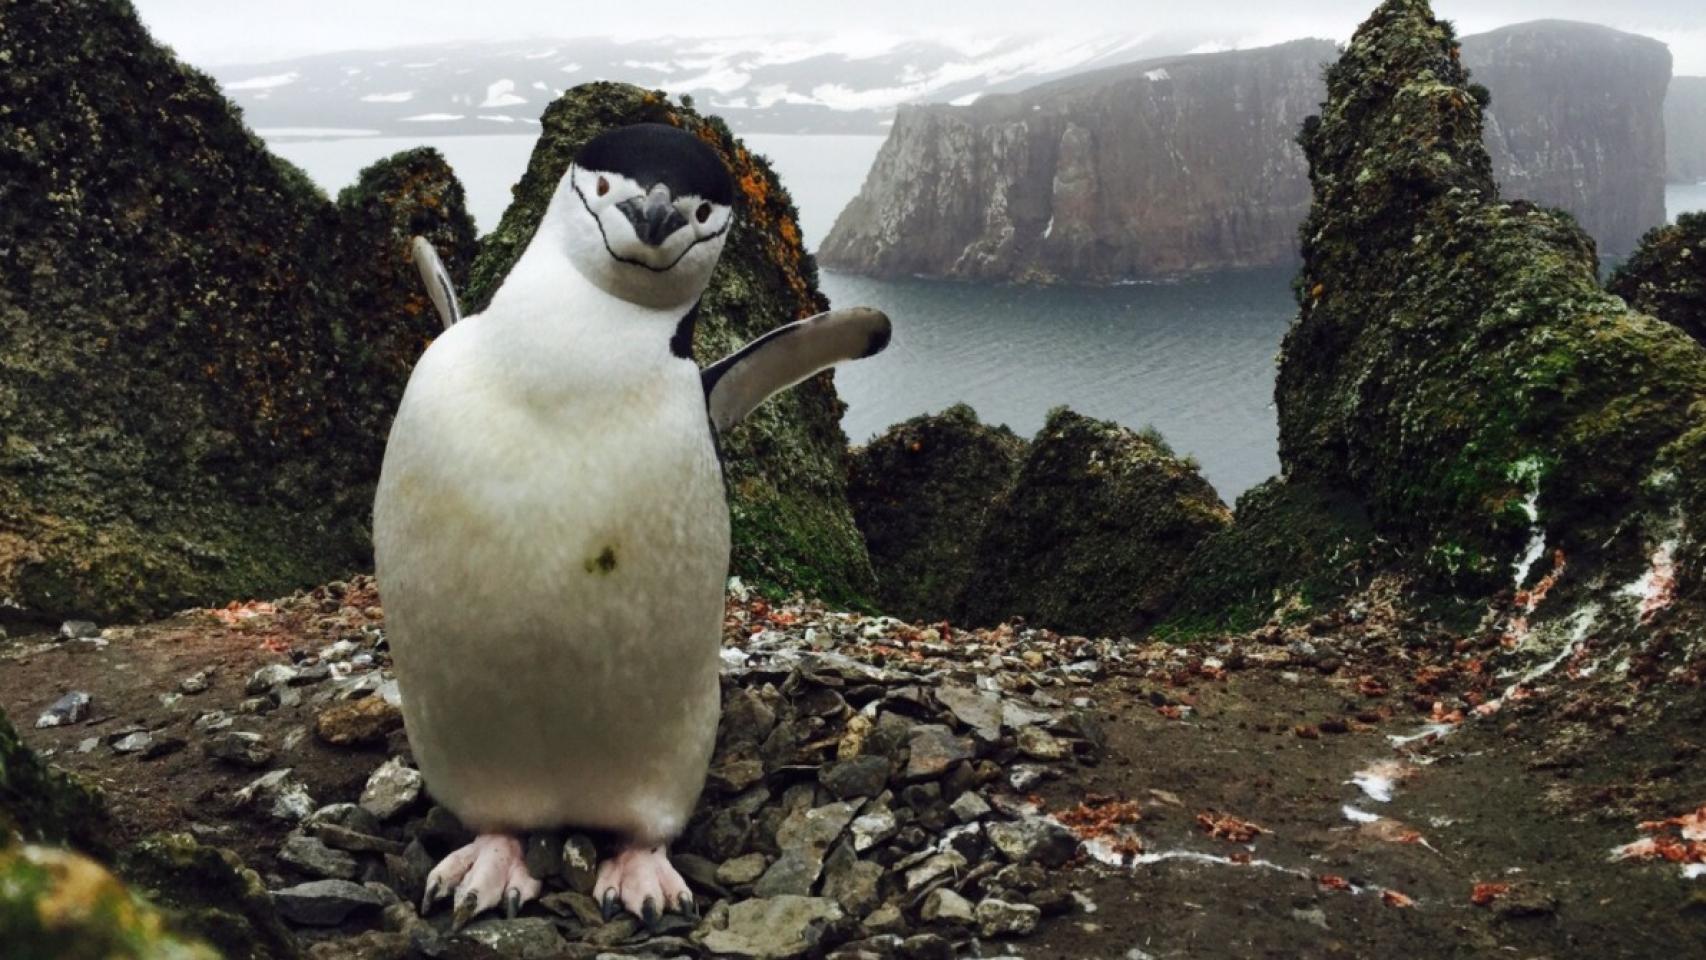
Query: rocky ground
[(1334, 788)]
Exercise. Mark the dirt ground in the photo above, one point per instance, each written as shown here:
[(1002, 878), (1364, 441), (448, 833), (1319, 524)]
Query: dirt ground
[(1496, 839)]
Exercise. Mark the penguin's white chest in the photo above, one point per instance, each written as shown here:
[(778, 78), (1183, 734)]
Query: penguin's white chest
[(552, 563)]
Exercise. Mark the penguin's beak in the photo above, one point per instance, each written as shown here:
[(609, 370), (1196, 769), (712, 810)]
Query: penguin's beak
[(654, 215)]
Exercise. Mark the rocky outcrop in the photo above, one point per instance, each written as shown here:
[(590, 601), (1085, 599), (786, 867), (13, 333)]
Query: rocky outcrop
[(1093, 536), (1666, 276), (1685, 130), (1189, 163), (1165, 166), (196, 370), (785, 463), (1578, 122), (920, 494), (1084, 529), (1455, 365)]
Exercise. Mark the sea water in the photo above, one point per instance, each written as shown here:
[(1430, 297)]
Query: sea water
[(1193, 358)]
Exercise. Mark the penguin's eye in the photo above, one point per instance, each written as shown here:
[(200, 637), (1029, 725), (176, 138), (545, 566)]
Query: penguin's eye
[(703, 213), (603, 186)]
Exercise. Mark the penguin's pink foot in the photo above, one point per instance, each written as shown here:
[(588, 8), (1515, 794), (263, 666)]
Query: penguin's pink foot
[(484, 873), (641, 879)]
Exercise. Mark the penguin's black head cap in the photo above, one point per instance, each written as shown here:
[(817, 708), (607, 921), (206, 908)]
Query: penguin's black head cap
[(651, 206)]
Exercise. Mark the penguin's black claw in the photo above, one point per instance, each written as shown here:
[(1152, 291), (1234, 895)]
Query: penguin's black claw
[(610, 907), (429, 897), (512, 903), (650, 915), (465, 911), (685, 906)]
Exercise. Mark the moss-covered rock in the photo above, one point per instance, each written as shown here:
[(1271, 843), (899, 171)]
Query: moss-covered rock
[(1666, 276), (1455, 363), (59, 905), (921, 493), (786, 463), (1291, 549), (39, 804), (1093, 536), (191, 382), (207, 892)]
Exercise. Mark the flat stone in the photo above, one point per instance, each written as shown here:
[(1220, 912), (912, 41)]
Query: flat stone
[(998, 918), (933, 868), (346, 815), (887, 918), (197, 682), (325, 903), (978, 709), (735, 775), (135, 742), (311, 856), (71, 708), (212, 721), (78, 630), (859, 777), (524, 938), (240, 749), (1039, 744), (792, 873), (392, 789), (945, 906), (1033, 839), (970, 807), (286, 798), (775, 928), (935, 748), (852, 882), (872, 828), (343, 838), (364, 722), (580, 862), (268, 677), (741, 871)]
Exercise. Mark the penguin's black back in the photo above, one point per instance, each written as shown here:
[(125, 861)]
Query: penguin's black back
[(652, 153)]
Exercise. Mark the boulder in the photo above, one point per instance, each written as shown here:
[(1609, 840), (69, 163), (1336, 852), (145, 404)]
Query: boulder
[(1455, 365), (786, 477), (1093, 536), (920, 493), (1666, 276)]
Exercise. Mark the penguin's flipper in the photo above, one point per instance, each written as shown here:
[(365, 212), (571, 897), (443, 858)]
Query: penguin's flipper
[(738, 383), (437, 279)]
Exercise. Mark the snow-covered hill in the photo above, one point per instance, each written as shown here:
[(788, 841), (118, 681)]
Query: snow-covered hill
[(759, 84)]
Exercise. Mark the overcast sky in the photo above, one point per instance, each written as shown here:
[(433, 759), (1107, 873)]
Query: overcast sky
[(246, 30)]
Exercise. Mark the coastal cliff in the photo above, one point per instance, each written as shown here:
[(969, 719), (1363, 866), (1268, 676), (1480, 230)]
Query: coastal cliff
[(1189, 164), (1164, 166), (1578, 122), (1685, 130)]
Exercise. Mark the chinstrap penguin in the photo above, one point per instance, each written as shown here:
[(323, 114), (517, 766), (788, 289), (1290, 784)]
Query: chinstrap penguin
[(551, 528)]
